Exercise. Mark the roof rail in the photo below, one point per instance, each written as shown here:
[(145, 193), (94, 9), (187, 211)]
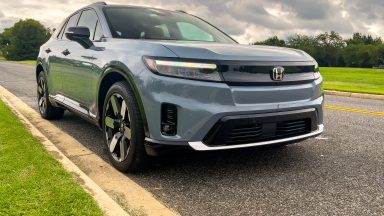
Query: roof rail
[(181, 11), (99, 3)]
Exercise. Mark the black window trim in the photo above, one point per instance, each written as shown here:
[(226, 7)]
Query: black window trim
[(59, 29), (98, 21), (61, 34)]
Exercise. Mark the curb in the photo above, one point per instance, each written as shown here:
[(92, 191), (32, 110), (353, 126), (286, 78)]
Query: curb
[(115, 193), (354, 95), (106, 203)]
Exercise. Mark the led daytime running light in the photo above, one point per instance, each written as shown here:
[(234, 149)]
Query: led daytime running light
[(186, 64)]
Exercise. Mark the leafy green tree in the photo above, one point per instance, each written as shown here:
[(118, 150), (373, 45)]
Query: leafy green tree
[(359, 38), (272, 41), (330, 45), (4, 38), (363, 56), (330, 49), (306, 43), (309, 44), (22, 41)]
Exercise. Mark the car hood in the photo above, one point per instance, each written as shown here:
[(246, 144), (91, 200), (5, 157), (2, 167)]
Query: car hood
[(236, 52)]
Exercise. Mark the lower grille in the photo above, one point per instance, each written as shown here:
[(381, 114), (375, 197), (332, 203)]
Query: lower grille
[(245, 133), (294, 127), (235, 131)]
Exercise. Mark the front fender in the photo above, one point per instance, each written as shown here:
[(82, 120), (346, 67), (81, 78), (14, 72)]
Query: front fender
[(123, 71)]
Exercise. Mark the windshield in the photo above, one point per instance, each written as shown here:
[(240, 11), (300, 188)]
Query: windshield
[(154, 24)]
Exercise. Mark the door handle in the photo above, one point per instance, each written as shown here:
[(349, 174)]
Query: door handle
[(89, 57), (48, 50), (66, 52)]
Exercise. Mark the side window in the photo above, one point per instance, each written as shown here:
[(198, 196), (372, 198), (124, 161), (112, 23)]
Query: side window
[(192, 32), (60, 30), (98, 32), (88, 19), (71, 22)]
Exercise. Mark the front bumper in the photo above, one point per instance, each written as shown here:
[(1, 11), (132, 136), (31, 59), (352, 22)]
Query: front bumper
[(200, 146), (242, 131), (200, 105)]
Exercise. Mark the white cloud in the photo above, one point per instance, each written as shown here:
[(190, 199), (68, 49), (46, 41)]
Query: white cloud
[(245, 20)]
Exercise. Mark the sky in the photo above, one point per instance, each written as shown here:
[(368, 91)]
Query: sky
[(245, 20)]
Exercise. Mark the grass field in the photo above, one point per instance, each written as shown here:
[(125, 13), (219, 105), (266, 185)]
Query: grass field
[(362, 80), (32, 182), (30, 62)]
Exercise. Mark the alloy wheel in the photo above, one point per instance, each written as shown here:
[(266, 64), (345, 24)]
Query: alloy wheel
[(41, 93), (117, 127)]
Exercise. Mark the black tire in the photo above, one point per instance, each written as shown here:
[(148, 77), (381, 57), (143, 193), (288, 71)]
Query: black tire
[(124, 130), (46, 109)]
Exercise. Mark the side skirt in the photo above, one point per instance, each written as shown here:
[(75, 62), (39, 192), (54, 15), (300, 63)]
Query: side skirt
[(74, 107)]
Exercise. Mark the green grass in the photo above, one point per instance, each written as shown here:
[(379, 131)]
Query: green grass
[(30, 62), (32, 182), (361, 80)]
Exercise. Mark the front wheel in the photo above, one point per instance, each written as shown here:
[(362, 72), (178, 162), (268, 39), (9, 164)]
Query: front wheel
[(123, 129)]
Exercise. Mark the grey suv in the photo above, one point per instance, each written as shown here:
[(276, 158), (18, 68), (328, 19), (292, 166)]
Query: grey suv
[(154, 79)]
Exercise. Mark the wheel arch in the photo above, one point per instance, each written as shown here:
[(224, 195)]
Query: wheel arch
[(111, 75)]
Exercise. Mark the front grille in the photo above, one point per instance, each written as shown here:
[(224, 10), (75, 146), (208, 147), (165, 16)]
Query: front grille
[(236, 74), (235, 131), (266, 69)]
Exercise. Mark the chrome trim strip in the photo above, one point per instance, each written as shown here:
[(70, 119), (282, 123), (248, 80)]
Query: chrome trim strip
[(200, 146), (92, 115), (72, 104)]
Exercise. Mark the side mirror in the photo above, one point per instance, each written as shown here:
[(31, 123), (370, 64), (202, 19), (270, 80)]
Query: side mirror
[(79, 34)]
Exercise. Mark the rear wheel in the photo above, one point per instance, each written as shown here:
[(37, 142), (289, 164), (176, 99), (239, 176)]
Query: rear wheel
[(123, 129), (46, 109)]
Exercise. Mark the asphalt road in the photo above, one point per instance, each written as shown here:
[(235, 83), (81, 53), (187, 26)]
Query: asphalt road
[(339, 173)]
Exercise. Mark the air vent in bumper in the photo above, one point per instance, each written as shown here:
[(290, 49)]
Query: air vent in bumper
[(168, 119), (236, 130)]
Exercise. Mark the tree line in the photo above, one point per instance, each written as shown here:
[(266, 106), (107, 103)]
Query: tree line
[(331, 50)]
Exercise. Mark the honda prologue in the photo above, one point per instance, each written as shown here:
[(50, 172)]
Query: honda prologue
[(153, 78)]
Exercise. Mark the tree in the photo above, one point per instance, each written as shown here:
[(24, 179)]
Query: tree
[(272, 41), (330, 49), (363, 56), (303, 42), (22, 41), (362, 39), (330, 45), (309, 44)]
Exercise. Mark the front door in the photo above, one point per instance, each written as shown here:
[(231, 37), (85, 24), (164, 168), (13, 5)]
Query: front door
[(81, 77)]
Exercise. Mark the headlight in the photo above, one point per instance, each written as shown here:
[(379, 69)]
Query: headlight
[(317, 71), (183, 69)]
